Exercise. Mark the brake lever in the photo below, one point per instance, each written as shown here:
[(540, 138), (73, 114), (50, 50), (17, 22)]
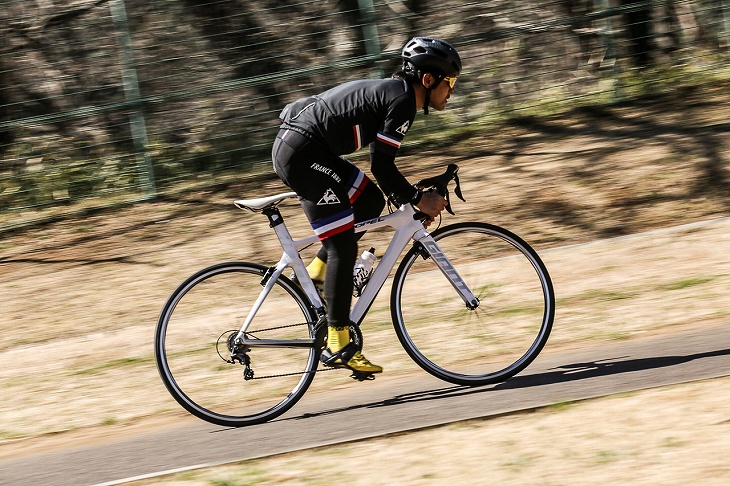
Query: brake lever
[(457, 188), (448, 202), (441, 182)]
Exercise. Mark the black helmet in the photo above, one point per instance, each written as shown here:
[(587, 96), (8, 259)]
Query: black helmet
[(429, 55)]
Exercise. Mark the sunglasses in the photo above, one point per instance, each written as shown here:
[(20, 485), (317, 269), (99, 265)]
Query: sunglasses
[(451, 80)]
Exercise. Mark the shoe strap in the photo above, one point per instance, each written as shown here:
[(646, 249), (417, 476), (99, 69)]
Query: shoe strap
[(344, 354)]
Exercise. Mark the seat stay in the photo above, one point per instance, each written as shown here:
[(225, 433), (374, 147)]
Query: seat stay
[(268, 283), (259, 302), (289, 258), (268, 343)]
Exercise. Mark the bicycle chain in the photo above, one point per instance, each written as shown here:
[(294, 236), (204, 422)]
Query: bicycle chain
[(286, 374), (292, 374)]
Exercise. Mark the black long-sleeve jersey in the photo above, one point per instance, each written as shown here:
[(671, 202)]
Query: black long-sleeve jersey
[(359, 113)]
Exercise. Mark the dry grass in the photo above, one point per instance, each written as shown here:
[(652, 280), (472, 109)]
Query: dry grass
[(81, 297)]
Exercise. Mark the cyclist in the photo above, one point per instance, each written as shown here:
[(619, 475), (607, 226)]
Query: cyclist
[(307, 155)]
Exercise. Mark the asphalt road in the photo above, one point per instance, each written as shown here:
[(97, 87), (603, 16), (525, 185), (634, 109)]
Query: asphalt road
[(390, 405)]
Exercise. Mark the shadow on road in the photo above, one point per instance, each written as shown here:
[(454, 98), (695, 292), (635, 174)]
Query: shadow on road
[(561, 374), (610, 366)]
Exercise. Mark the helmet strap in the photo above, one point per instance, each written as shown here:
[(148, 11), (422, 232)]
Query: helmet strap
[(437, 80)]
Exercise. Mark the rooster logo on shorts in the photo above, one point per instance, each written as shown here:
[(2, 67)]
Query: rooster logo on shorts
[(329, 198)]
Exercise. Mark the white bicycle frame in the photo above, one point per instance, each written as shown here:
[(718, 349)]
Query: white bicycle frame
[(407, 228)]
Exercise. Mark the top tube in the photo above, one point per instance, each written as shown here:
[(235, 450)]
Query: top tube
[(402, 216)]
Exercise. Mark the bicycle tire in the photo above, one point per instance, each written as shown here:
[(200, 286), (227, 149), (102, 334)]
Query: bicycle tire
[(499, 338), (194, 326)]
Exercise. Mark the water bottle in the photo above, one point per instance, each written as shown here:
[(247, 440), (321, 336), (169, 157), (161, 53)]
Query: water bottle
[(362, 271)]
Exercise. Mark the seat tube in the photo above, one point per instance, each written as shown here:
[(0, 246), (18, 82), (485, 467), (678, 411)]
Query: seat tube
[(291, 258)]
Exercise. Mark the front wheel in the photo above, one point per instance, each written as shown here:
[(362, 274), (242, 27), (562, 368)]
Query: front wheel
[(208, 373), (497, 339)]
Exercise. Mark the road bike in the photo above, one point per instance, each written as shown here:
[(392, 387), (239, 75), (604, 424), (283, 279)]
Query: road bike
[(239, 343)]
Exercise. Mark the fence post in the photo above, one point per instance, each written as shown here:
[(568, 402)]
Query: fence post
[(137, 122), (370, 33), (726, 22), (607, 34)]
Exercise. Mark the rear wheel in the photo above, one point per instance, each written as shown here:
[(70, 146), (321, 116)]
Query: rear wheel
[(492, 342), (204, 369)]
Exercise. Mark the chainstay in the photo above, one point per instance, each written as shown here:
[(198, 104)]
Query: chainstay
[(279, 327), (252, 334)]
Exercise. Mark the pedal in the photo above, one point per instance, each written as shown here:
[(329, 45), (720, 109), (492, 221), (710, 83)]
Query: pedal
[(333, 365), (328, 358), (333, 362), (362, 375)]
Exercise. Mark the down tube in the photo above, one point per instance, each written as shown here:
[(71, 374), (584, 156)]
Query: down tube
[(387, 262)]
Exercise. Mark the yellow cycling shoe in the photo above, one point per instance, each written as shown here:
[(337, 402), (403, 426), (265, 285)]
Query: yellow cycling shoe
[(351, 358), (358, 362)]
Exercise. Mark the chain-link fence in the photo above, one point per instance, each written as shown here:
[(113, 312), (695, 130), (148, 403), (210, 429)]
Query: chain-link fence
[(109, 101)]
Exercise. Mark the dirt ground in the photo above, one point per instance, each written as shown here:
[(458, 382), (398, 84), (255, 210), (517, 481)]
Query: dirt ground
[(80, 297)]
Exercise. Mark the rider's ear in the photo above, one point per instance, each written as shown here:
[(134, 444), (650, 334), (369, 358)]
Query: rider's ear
[(427, 80)]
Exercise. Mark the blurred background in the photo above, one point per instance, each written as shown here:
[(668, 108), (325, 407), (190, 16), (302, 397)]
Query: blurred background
[(105, 102), (127, 127)]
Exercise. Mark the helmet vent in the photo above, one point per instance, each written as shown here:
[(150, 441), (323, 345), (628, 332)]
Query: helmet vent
[(431, 55)]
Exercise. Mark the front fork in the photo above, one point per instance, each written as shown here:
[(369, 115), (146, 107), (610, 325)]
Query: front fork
[(427, 247)]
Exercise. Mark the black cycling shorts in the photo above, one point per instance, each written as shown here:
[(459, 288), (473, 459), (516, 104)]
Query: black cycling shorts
[(333, 192)]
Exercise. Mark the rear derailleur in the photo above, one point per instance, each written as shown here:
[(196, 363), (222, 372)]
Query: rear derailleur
[(238, 352)]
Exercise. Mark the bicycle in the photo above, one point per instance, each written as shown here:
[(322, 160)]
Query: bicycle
[(238, 343)]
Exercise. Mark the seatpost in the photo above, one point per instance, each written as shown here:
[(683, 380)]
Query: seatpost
[(274, 216)]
